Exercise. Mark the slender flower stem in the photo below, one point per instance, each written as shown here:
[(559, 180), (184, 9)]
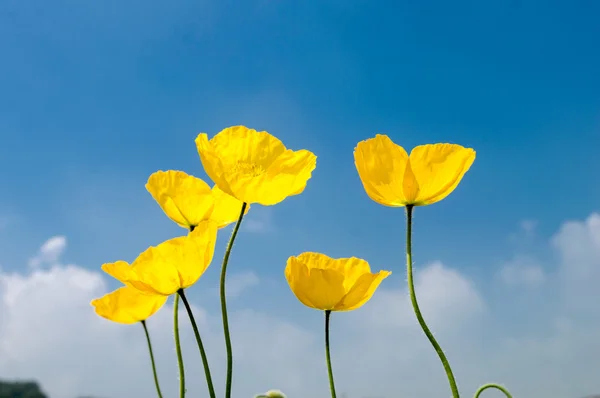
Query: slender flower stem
[(415, 305), (492, 385), (327, 355), (178, 347), (211, 389), (224, 304), (152, 359)]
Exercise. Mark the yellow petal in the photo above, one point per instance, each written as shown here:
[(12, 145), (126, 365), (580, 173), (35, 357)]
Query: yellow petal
[(119, 270), (213, 166), (324, 283), (381, 166), (438, 169), (287, 176), (128, 305), (196, 253), (176, 263), (362, 291), (254, 167), (351, 268), (227, 208), (246, 149), (316, 288), (185, 199)]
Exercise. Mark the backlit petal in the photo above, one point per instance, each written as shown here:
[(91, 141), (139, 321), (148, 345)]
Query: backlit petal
[(352, 268), (362, 291), (156, 270), (127, 305), (246, 149), (213, 166), (381, 165), (254, 167), (227, 208), (438, 169), (185, 199), (316, 288), (195, 254), (119, 270), (286, 176)]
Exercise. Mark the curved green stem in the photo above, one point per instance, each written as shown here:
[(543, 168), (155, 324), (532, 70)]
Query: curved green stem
[(152, 359), (492, 385), (211, 389), (415, 305), (327, 355), (178, 347), (224, 304)]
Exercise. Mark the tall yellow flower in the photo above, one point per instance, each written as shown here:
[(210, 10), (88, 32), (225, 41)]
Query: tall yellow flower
[(188, 200), (172, 265), (254, 167), (127, 305), (393, 178), (328, 284)]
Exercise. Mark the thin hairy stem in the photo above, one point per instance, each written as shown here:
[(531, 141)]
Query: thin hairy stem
[(224, 304), (327, 354), (211, 389), (178, 347), (152, 359), (415, 305)]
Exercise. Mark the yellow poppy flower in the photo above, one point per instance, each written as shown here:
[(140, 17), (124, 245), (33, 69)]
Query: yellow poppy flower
[(188, 200), (128, 305), (254, 167), (324, 283), (172, 265), (393, 178)]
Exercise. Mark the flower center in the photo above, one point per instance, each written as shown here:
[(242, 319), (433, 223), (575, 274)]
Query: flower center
[(248, 168)]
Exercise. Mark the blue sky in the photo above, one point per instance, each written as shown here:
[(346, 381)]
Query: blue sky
[(95, 96)]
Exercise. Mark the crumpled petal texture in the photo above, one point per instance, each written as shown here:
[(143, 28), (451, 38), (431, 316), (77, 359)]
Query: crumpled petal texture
[(254, 167), (185, 199), (172, 265), (324, 283), (391, 177), (188, 200), (128, 305)]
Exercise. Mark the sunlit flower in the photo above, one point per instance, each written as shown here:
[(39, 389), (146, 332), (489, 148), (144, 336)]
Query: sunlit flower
[(172, 265), (393, 178), (254, 167), (128, 305), (188, 200), (324, 283)]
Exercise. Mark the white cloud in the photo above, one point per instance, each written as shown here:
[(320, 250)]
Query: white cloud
[(522, 271), (49, 332), (50, 252), (239, 282)]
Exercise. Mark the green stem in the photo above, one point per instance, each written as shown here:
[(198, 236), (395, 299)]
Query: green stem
[(224, 304), (492, 385), (152, 359), (211, 389), (178, 347), (327, 354), (415, 305)]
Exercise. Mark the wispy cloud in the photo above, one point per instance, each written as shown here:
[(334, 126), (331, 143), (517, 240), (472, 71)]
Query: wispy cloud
[(555, 357), (50, 252)]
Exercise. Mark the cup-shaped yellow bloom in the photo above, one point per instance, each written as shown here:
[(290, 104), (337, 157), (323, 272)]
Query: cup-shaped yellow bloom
[(393, 178), (188, 200), (324, 283), (172, 265), (254, 167), (128, 305)]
